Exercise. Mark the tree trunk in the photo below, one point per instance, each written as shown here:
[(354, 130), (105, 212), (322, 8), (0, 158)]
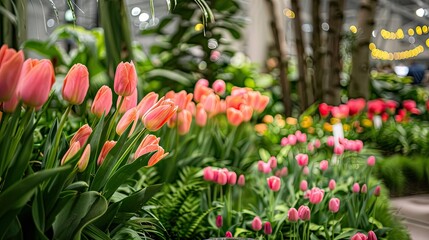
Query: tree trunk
[(280, 44), (317, 52), (334, 66), (302, 76), (117, 33), (14, 24), (359, 78)]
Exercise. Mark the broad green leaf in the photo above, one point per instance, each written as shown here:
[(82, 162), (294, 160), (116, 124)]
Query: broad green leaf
[(106, 219), (135, 201), (92, 232), (79, 211)]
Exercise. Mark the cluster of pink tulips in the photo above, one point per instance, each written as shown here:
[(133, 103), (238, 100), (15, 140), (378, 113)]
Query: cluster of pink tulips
[(223, 176)]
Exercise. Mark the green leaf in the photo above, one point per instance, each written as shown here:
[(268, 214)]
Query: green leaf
[(38, 212), (264, 154), (168, 74), (79, 211), (239, 231), (95, 140), (106, 219), (92, 232), (135, 201)]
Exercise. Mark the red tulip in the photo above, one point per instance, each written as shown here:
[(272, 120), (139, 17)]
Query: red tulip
[(267, 228), (324, 109), (356, 106)]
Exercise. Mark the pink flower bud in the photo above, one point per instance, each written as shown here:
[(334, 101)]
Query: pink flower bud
[(84, 159), (150, 143), (256, 224), (332, 184), (241, 180), (208, 174), (303, 185), (356, 188), (219, 87), (359, 236), (371, 161), (102, 102), (334, 205), (324, 165), (125, 79), (146, 103), (108, 145), (11, 105), (317, 143), (228, 234), (364, 189), (302, 159), (184, 120), (291, 139), (235, 117), (128, 102), (76, 84), (11, 63), (219, 221), (264, 167), (372, 236), (130, 117), (316, 195), (285, 141), (310, 147), (377, 191), (330, 141), (306, 171), (339, 149), (283, 171), (304, 213), (274, 183), (232, 178), (273, 162), (201, 116), (292, 215), (267, 228), (302, 137), (159, 114), (81, 135), (222, 178), (74, 148), (215, 175)]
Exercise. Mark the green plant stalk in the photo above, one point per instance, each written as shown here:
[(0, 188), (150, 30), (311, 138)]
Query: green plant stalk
[(272, 207), (50, 163), (128, 150), (240, 193), (209, 197), (113, 121), (229, 142)]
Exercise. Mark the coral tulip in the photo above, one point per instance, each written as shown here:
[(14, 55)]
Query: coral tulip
[(156, 157), (108, 145), (102, 102), (267, 228), (292, 215), (130, 117), (74, 148), (201, 116), (256, 224), (125, 81), (324, 165), (222, 178), (334, 205), (274, 183), (11, 105), (235, 117), (302, 159), (36, 82), (241, 180), (184, 120), (377, 191), (304, 213), (84, 159), (219, 86), (76, 84), (146, 103), (247, 112), (128, 102), (81, 135), (10, 68), (219, 221), (149, 144), (159, 114)]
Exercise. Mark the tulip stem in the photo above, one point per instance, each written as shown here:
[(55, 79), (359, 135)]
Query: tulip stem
[(229, 206), (53, 153), (113, 121)]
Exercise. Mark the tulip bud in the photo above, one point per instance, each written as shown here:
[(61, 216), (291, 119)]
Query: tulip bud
[(291, 139), (332, 184), (371, 161), (76, 84), (284, 142), (146, 103), (125, 79), (267, 228), (219, 87), (129, 117), (338, 149), (158, 156), (256, 224), (356, 188), (283, 171), (274, 183), (147, 145), (232, 178), (208, 174), (228, 234), (304, 213), (234, 116), (306, 171), (10, 68), (11, 105), (377, 191), (372, 236), (316, 195), (302, 159), (159, 114), (184, 120), (108, 145), (241, 180), (330, 141), (81, 135), (84, 159), (273, 162), (222, 178), (324, 110), (74, 148), (292, 215), (359, 236), (128, 102), (247, 112), (324, 165), (364, 189), (102, 102), (201, 116), (303, 185), (219, 221), (317, 143), (334, 205)]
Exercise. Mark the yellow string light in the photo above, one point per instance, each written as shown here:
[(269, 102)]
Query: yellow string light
[(353, 29), (419, 30), (288, 13), (390, 56)]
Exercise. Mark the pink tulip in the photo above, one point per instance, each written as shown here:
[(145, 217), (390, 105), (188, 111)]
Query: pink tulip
[(202, 82), (305, 170), (149, 144), (409, 105), (356, 188), (274, 183), (377, 191), (156, 157), (364, 189), (228, 234), (184, 120), (108, 145), (222, 178), (37, 78), (201, 116), (324, 165), (130, 117), (291, 139), (146, 103), (264, 167), (371, 161), (283, 171), (292, 215), (159, 114), (302, 159), (215, 175), (256, 224), (102, 102), (332, 184), (267, 228), (391, 106), (10, 68), (247, 112), (310, 147), (372, 236), (232, 178), (285, 141), (359, 236), (334, 205), (301, 137), (303, 185), (330, 141), (219, 86), (339, 149), (128, 102), (84, 159), (241, 180), (219, 221), (125, 79), (356, 106), (304, 213), (273, 162), (208, 174), (341, 111), (316, 195), (317, 143), (81, 135), (70, 152), (76, 84)]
